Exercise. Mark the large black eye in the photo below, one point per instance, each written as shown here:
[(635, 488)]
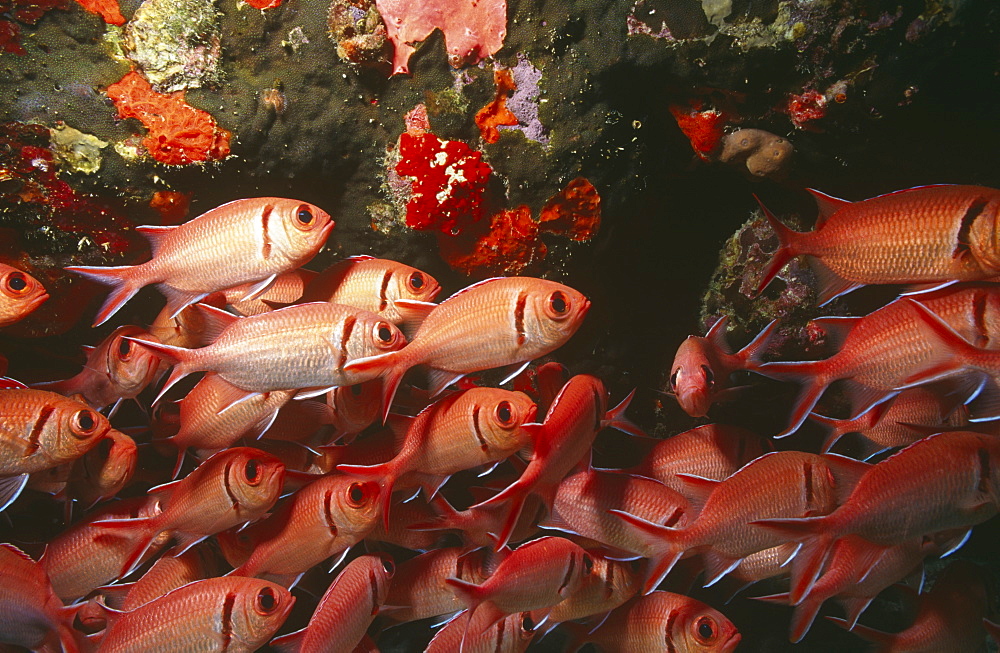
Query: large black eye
[(356, 389), (416, 280), (709, 375), (304, 215), (505, 414), (384, 333), (84, 422), (706, 629), (266, 600), (527, 624), (673, 379), (356, 494), (388, 566), (588, 564), (17, 282), (124, 348), (251, 471), (557, 301)]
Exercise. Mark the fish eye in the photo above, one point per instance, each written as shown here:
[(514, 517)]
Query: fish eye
[(84, 423), (17, 283), (357, 494), (705, 629), (416, 281), (527, 623), (709, 375), (384, 333), (266, 601), (505, 413), (673, 379), (304, 215), (388, 566), (124, 349), (588, 564), (356, 389), (251, 472), (558, 303)]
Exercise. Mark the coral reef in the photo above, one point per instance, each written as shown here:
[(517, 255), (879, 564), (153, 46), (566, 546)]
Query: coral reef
[(176, 44)]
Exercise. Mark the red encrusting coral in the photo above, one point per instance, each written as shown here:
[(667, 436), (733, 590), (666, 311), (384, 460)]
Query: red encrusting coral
[(506, 244), (575, 211), (496, 113), (178, 132), (106, 9), (805, 108), (171, 205), (264, 4), (449, 182), (703, 127)]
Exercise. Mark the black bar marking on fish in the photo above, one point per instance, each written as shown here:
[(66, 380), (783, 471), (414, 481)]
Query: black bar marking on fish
[(36, 430), (500, 626), (669, 631), (674, 517), (522, 300), (345, 336), (807, 469), (373, 585), (609, 580), (984, 471), (479, 431), (971, 213), (569, 573), (264, 217), (229, 489), (979, 299), (227, 619), (330, 523), (383, 300)]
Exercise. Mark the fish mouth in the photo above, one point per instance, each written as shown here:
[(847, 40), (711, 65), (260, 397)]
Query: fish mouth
[(36, 302), (730, 645)]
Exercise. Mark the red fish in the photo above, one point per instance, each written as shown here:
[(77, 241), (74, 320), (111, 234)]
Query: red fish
[(783, 483), (345, 610), (20, 295), (563, 442), (535, 576), (354, 408), (665, 622), (946, 481), (493, 323), (712, 451), (232, 488), (949, 618), (700, 374), (463, 430), (115, 370), (286, 289), (258, 238), (324, 518), (482, 633), (217, 614), (612, 583), (31, 615), (167, 574), (375, 285), (103, 472), (919, 235), (303, 347)]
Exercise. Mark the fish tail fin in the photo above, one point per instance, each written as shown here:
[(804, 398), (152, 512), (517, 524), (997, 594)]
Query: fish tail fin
[(753, 354), (785, 252), (385, 473), (122, 282), (388, 367), (290, 643), (666, 543), (182, 359), (802, 618), (616, 419), (515, 495), (853, 607), (833, 429), (471, 595), (817, 539)]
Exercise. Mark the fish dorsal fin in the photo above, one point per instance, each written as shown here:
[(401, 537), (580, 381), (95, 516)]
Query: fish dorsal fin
[(360, 257), (827, 205), (717, 334), (156, 235), (216, 321), (413, 313), (697, 488)]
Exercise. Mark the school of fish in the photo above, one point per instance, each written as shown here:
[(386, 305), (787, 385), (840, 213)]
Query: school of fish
[(312, 486)]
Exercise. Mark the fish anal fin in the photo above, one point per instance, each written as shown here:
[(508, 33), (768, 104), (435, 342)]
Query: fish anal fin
[(290, 643), (259, 288), (880, 638), (10, 489), (829, 284), (717, 565), (854, 606), (438, 380)]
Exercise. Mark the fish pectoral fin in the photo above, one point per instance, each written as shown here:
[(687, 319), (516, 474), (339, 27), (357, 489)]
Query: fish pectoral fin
[(259, 288), (10, 489)]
